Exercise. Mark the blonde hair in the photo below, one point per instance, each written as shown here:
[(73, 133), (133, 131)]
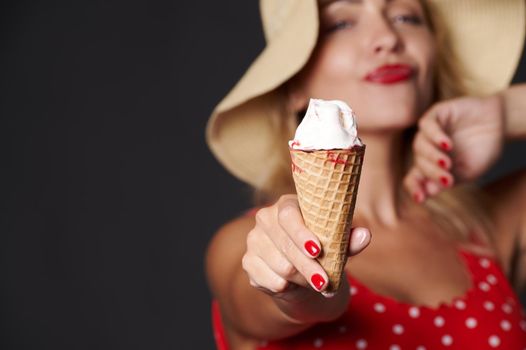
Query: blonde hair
[(461, 210), (458, 211)]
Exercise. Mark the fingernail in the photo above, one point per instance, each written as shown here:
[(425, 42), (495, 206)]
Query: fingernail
[(442, 163), (317, 281), (312, 248), (444, 180), (417, 198), (445, 146), (361, 237), (328, 295)]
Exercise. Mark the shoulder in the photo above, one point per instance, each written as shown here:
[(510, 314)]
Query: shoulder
[(509, 187), (231, 233), (223, 265), (226, 248), (507, 203)]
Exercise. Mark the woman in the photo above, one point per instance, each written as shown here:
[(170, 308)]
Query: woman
[(435, 274)]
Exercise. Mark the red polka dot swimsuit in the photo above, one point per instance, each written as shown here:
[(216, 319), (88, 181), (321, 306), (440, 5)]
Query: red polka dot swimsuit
[(488, 316)]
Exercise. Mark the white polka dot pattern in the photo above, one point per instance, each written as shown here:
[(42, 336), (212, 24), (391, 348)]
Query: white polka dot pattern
[(491, 279), (318, 343), (494, 341), (414, 312), (489, 306), (398, 329), (505, 325), (439, 321), (361, 344), (484, 263), (484, 286), (379, 307), (471, 322), (507, 308), (486, 317), (460, 304), (447, 340)]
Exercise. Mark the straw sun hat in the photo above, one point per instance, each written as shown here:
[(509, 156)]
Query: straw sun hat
[(486, 35)]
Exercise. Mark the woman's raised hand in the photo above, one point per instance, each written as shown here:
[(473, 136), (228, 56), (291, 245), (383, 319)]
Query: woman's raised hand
[(281, 252), (456, 140)]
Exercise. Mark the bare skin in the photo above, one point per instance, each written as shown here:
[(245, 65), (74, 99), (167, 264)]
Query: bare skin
[(474, 130), (258, 268), (404, 263), (282, 309)]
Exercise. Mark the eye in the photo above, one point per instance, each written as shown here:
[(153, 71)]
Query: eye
[(409, 19), (339, 25)]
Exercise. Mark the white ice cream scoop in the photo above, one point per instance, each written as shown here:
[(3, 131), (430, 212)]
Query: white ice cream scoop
[(326, 125)]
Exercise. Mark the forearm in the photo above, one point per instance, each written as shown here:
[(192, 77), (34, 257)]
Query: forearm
[(515, 113), (257, 314), (249, 311), (514, 104)]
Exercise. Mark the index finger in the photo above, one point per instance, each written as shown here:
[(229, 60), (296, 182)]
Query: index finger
[(432, 126), (291, 221)]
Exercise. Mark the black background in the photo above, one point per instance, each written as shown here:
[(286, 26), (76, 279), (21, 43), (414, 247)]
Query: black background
[(108, 192)]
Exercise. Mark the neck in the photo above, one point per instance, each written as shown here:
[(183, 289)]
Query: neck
[(378, 195)]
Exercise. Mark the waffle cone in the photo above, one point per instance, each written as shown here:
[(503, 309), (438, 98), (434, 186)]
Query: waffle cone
[(327, 184)]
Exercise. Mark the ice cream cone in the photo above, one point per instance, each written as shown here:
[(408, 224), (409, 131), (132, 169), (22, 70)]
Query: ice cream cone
[(327, 183)]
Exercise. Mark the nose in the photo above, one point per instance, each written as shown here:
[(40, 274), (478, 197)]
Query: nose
[(383, 37)]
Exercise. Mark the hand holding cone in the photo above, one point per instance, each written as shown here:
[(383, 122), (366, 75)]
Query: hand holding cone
[(327, 184)]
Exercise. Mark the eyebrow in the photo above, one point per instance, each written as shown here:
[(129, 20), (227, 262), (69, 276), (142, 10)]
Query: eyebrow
[(328, 2), (324, 3)]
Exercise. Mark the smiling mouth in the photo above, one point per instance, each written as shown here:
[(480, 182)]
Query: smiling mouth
[(390, 74)]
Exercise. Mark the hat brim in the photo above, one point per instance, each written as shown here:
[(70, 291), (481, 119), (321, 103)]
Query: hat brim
[(249, 104), (487, 37)]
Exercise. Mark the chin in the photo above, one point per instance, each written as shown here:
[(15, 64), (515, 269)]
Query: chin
[(385, 127), (386, 114)]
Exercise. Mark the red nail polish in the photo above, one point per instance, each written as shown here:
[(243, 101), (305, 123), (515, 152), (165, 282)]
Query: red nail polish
[(318, 281), (312, 248), (445, 146), (442, 163), (417, 198), (444, 180)]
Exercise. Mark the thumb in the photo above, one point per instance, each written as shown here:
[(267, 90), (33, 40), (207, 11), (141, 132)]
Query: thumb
[(360, 239)]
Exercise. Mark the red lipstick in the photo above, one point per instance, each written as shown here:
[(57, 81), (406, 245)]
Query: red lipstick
[(390, 74)]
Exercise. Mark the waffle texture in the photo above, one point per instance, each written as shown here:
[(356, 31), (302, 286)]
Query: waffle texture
[(327, 183)]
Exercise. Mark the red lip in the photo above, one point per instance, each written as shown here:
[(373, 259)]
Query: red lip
[(390, 74)]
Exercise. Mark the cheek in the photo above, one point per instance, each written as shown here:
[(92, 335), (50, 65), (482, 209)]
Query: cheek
[(329, 67), (425, 53), (334, 60), (429, 61)]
